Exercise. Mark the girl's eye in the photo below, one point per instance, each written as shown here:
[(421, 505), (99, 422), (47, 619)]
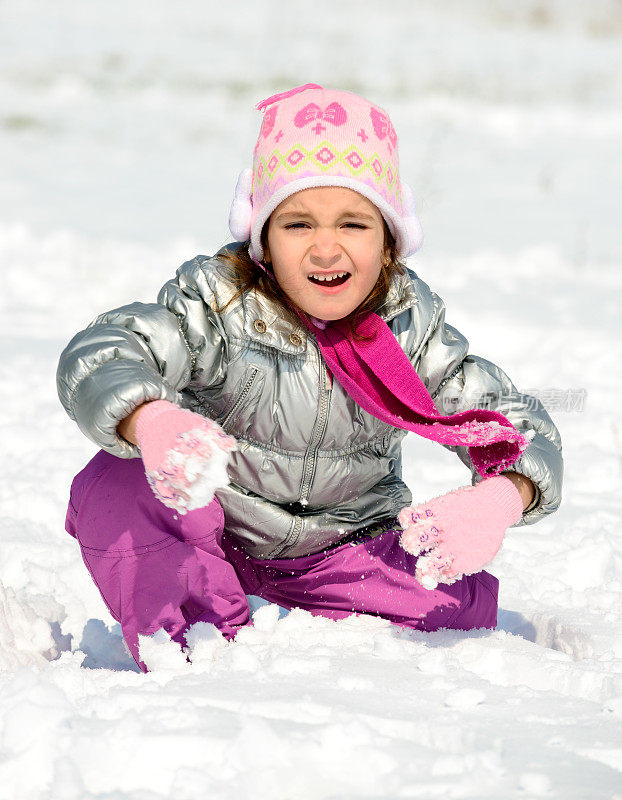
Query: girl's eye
[(300, 225)]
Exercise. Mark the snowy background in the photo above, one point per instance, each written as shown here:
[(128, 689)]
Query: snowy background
[(123, 127)]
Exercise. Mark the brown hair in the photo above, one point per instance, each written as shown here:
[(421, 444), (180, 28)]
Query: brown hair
[(247, 275)]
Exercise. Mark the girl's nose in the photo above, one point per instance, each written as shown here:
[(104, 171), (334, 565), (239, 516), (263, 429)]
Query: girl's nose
[(325, 251), (323, 260)]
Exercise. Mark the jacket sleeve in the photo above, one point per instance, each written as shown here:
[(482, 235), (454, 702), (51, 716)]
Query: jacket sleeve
[(458, 380), (141, 352)]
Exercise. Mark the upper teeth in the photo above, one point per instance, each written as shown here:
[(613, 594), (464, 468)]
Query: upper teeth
[(323, 277)]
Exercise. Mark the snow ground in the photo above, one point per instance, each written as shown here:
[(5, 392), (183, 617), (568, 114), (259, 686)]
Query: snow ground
[(122, 129)]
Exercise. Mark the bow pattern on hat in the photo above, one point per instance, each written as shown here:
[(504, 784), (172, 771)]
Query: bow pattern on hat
[(333, 113), (383, 127), (268, 121)]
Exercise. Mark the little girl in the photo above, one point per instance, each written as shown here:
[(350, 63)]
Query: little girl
[(282, 374)]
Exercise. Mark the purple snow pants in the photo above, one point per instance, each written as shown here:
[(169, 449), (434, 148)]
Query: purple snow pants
[(156, 569)]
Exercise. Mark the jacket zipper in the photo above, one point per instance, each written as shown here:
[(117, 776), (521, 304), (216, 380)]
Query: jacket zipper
[(245, 390), (308, 470), (292, 536)]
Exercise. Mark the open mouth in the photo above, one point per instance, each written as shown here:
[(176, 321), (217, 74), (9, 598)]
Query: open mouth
[(334, 279)]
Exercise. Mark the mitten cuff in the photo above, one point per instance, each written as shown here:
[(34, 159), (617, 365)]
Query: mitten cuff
[(151, 412), (505, 497)]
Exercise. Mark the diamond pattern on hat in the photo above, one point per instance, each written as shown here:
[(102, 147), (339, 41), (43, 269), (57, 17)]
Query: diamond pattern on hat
[(325, 155), (294, 157), (355, 160)]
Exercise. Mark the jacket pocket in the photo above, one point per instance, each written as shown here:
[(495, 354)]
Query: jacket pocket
[(249, 390)]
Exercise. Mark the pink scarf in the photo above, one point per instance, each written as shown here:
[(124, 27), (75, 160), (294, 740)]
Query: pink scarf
[(378, 375)]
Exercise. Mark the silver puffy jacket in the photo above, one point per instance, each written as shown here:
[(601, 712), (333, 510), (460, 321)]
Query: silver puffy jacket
[(311, 464)]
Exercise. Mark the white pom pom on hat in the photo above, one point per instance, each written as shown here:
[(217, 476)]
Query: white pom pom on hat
[(242, 207), (411, 221)]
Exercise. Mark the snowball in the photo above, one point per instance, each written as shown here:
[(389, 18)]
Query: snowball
[(204, 475)]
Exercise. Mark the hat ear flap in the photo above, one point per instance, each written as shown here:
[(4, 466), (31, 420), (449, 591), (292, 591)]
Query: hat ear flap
[(241, 210), (411, 221)]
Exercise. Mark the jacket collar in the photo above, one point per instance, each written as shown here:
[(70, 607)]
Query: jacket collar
[(400, 297), (267, 323)]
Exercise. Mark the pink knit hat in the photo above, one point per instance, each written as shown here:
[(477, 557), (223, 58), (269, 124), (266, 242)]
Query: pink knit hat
[(311, 137)]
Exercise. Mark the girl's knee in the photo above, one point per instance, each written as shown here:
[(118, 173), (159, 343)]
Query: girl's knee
[(112, 508), (82, 488), (109, 506)]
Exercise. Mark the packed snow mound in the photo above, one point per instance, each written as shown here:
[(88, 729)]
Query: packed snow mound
[(350, 708), (24, 636)]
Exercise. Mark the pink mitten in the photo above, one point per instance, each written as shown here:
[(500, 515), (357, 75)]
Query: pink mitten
[(185, 455), (459, 532)]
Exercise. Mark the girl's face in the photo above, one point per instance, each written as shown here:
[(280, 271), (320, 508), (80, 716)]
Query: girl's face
[(326, 246)]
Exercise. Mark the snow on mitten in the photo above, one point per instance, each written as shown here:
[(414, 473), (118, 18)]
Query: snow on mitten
[(460, 532), (185, 455)]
